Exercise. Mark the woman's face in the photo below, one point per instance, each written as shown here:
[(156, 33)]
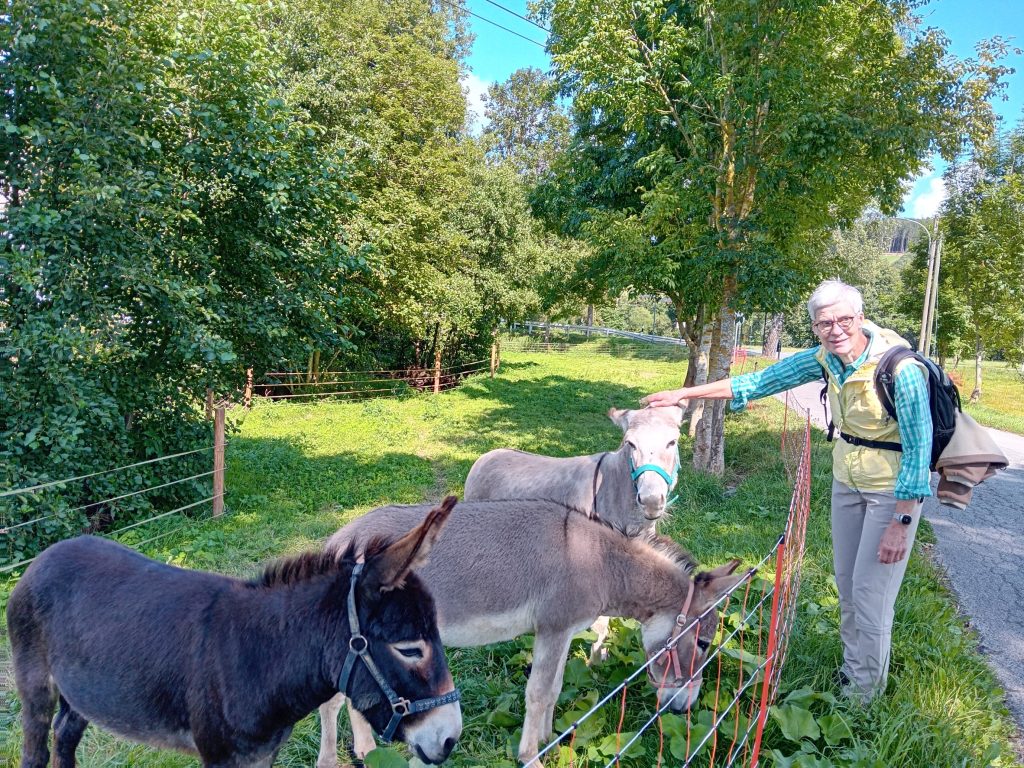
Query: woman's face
[(839, 329)]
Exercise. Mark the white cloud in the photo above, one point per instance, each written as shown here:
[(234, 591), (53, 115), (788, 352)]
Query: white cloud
[(926, 196), (475, 89)]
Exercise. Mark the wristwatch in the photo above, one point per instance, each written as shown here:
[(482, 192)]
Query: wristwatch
[(903, 519)]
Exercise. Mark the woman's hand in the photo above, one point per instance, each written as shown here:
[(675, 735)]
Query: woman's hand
[(893, 546), (666, 397)]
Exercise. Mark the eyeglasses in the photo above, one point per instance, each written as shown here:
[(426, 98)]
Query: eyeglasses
[(824, 326)]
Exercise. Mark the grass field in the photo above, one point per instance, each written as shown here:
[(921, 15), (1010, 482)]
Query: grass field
[(298, 471), (1002, 394)]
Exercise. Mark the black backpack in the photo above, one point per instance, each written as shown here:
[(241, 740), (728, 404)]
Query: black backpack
[(943, 401)]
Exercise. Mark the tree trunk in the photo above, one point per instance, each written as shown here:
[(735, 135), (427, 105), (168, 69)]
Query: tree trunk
[(979, 351), (770, 348), (698, 367), (709, 443), (590, 318)]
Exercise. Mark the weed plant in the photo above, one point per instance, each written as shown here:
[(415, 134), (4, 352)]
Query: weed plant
[(296, 472)]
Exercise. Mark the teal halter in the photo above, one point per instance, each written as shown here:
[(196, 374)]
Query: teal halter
[(635, 472)]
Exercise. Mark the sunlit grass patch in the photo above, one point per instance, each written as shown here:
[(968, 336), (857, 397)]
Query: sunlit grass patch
[(296, 472)]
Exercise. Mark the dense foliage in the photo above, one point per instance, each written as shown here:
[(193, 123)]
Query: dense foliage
[(981, 291), (193, 190), (740, 134)]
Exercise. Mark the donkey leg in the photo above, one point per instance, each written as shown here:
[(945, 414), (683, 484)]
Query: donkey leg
[(36, 690), (328, 757), (549, 652), (362, 733), (547, 727), (598, 651), (68, 728)]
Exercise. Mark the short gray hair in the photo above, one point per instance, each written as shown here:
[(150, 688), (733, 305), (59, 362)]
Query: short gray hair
[(831, 292)]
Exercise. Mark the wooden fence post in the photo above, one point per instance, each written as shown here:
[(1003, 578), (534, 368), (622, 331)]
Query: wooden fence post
[(218, 462), (247, 397), (494, 357), (437, 369)]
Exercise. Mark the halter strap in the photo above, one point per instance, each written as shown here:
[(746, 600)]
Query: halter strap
[(359, 648), (670, 480), (673, 655), (597, 476)]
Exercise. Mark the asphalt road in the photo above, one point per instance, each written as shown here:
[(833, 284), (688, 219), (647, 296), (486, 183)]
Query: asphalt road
[(982, 551)]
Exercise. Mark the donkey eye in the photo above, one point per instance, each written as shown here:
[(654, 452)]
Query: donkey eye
[(630, 444), (703, 645), (413, 651), (671, 444)]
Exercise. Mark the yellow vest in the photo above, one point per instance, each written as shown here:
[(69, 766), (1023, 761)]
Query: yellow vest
[(856, 410)]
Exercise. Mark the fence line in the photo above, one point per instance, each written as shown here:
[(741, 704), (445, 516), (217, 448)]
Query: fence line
[(352, 377), (9, 528), (34, 488), (10, 567), (788, 552), (446, 378), (39, 542), (600, 331)]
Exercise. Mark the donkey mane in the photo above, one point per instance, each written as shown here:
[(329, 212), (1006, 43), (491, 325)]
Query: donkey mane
[(669, 548), (303, 567)]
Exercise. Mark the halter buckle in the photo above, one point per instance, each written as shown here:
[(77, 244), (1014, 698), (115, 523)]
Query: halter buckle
[(401, 707), (358, 644), (680, 619)]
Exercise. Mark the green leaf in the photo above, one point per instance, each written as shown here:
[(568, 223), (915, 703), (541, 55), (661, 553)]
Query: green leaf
[(834, 728), (612, 743), (796, 722), (384, 757), (805, 696)]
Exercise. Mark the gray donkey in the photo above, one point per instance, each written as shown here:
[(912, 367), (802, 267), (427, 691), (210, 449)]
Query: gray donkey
[(507, 568), (627, 488)]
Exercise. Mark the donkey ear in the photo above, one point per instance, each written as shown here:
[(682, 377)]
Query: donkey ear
[(619, 417), (388, 570), (714, 583)]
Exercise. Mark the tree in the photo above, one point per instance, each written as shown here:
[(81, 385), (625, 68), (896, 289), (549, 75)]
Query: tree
[(526, 126), (764, 126), (983, 248), (169, 221), (383, 79)]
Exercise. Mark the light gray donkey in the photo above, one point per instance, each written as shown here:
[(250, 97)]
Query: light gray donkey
[(507, 568), (627, 488)]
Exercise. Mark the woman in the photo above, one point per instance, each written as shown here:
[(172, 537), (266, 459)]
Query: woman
[(876, 492)]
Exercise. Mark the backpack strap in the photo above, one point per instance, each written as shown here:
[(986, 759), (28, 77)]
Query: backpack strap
[(885, 377), (883, 444), (823, 397)]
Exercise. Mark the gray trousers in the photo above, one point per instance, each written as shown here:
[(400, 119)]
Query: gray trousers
[(867, 587)]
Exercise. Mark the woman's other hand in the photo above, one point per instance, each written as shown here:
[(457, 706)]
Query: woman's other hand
[(666, 397)]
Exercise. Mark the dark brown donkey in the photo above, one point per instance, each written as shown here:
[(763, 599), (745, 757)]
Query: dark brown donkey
[(224, 668)]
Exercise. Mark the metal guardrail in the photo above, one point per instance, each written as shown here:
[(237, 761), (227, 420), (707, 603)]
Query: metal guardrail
[(600, 331)]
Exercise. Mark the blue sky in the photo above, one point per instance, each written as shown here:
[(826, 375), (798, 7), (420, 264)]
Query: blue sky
[(498, 53)]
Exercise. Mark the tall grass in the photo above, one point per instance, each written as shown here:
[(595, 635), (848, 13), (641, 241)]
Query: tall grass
[(296, 472)]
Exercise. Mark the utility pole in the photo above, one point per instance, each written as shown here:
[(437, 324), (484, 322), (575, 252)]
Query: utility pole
[(934, 314), (931, 291)]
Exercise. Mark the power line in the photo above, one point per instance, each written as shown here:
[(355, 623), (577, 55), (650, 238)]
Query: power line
[(494, 23), (524, 18)]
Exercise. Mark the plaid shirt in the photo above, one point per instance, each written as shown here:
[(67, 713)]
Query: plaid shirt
[(912, 410)]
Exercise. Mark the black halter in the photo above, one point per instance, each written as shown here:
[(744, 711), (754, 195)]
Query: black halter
[(359, 648)]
